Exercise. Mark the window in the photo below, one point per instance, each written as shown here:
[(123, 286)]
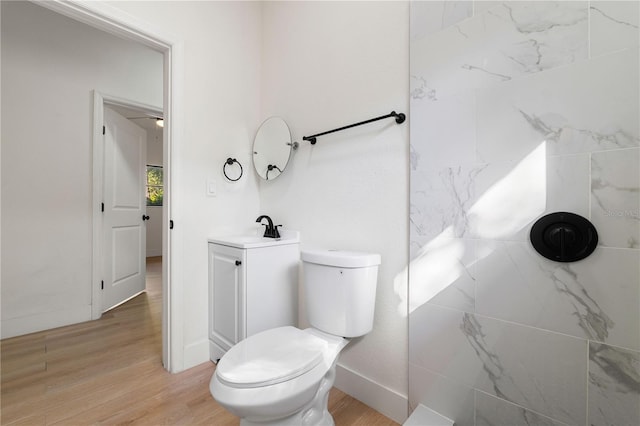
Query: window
[(155, 190)]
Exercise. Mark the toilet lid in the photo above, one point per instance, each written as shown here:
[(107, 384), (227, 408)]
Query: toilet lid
[(270, 357)]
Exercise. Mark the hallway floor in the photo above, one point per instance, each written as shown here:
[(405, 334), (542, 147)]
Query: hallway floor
[(109, 371)]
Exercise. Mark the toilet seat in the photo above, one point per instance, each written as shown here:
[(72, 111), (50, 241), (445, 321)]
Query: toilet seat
[(273, 356), (281, 399)]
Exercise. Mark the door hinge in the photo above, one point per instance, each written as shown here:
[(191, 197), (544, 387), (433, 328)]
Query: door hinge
[(101, 285), (170, 224), (102, 207), (104, 130)]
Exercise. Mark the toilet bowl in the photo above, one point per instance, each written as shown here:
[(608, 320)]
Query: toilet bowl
[(279, 376), (282, 376)]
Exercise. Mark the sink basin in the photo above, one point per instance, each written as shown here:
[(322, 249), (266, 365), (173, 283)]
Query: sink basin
[(256, 241)]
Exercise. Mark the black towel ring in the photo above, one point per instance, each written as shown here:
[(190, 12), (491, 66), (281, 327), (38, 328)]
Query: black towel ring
[(230, 162)]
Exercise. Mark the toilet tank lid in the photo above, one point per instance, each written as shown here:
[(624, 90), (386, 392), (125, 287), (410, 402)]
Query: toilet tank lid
[(340, 258)]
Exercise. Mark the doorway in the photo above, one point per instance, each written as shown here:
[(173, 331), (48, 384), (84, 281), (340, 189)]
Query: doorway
[(105, 18), (78, 185), (132, 202), (124, 282)]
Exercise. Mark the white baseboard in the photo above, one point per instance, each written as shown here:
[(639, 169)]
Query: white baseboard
[(13, 327), (380, 398), (154, 252), (196, 353), (425, 416)]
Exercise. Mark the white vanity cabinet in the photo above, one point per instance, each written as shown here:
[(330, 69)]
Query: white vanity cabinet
[(253, 286)]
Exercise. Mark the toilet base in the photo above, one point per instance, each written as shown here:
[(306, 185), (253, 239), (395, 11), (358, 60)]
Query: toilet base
[(315, 413), (295, 420)]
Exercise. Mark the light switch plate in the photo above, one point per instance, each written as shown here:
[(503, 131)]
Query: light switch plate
[(211, 188)]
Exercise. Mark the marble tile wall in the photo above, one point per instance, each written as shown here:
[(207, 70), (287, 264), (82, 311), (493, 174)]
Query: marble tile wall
[(519, 109)]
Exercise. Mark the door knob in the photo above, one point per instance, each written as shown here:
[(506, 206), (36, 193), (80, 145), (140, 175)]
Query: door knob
[(145, 217)]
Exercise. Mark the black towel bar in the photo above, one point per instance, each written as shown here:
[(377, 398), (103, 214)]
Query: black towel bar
[(400, 117)]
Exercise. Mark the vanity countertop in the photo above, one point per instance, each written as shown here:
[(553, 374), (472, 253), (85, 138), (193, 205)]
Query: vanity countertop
[(257, 240)]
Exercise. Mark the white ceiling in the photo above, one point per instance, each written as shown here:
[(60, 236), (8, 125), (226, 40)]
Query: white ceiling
[(144, 120)]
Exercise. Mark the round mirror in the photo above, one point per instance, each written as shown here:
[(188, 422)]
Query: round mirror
[(272, 148)]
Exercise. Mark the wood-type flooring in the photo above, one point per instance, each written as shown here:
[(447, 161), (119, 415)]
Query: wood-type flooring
[(109, 372)]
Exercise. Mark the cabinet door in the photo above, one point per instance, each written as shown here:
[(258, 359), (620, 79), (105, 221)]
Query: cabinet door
[(226, 295)]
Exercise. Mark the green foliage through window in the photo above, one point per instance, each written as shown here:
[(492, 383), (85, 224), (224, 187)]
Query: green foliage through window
[(155, 190)]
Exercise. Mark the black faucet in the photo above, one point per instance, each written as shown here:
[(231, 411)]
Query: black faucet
[(270, 231)]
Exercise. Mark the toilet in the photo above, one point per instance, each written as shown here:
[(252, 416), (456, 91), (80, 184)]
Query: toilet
[(282, 376)]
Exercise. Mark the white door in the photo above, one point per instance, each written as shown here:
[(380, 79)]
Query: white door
[(125, 154)]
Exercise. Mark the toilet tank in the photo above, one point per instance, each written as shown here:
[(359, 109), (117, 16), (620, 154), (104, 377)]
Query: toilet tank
[(340, 290)]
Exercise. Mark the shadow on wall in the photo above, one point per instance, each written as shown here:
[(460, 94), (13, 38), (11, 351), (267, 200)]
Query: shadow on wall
[(440, 262)]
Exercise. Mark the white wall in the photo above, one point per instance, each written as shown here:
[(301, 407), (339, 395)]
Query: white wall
[(154, 224), (50, 65), (328, 64)]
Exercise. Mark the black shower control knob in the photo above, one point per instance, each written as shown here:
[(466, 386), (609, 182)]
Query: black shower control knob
[(562, 234), (564, 237)]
